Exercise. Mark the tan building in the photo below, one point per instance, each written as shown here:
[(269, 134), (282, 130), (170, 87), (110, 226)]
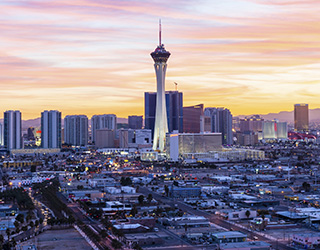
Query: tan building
[(301, 117)]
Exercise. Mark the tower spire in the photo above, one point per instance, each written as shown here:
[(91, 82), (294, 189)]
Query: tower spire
[(160, 32)]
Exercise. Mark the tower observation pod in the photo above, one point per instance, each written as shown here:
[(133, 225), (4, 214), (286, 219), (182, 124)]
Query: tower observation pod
[(160, 57)]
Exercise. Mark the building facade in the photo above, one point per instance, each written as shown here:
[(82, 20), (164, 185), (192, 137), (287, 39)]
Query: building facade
[(221, 122), (135, 121), (51, 129), (251, 124), (301, 117), (104, 138), (76, 130), (134, 138), (274, 130), (1, 134), (193, 119), (108, 121), (174, 107), (12, 130)]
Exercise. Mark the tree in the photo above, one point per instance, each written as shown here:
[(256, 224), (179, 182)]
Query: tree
[(149, 198), (33, 168), (16, 224), (103, 233), (116, 244), (141, 199), (31, 224), (248, 214), (134, 211), (166, 190), (137, 247), (125, 181), (306, 186), (20, 218), (8, 233)]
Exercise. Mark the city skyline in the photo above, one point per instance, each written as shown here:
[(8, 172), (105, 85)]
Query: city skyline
[(82, 57)]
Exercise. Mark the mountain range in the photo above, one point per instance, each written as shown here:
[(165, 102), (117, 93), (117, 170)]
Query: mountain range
[(283, 116), (288, 116)]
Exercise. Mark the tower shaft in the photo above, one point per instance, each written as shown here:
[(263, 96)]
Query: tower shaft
[(160, 57), (161, 121)]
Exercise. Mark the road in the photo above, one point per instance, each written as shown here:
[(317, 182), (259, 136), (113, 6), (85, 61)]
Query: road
[(78, 215), (213, 218)]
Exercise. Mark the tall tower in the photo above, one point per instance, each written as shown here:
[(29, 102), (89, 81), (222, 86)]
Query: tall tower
[(12, 130), (301, 117), (51, 129), (160, 57)]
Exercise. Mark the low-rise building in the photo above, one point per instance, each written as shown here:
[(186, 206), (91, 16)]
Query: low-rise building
[(248, 245)]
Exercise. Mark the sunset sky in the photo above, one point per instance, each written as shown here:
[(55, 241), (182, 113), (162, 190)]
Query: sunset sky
[(93, 56)]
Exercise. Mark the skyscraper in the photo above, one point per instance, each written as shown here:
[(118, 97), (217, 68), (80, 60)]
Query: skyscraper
[(12, 130), (174, 107), (1, 134), (251, 124), (221, 122), (76, 130), (51, 129), (301, 117), (160, 57), (135, 121), (108, 121), (193, 119)]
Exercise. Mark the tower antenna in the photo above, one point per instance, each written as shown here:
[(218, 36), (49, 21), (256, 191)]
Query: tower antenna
[(160, 32)]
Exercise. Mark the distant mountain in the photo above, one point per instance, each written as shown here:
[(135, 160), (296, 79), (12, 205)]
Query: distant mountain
[(287, 116), (122, 120)]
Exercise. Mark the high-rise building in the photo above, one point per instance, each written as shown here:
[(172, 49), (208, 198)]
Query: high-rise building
[(104, 138), (174, 107), (251, 124), (221, 122), (51, 129), (275, 130), (1, 134), (301, 117), (108, 121), (12, 130), (160, 57), (76, 130), (135, 121), (193, 119)]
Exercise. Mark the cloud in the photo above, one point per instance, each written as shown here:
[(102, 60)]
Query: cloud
[(94, 56)]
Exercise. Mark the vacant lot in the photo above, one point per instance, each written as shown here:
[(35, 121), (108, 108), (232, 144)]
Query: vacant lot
[(67, 239)]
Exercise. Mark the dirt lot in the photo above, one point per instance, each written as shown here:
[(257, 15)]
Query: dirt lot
[(67, 239)]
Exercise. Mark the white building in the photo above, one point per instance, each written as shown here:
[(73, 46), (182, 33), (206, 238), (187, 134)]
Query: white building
[(274, 130), (307, 240), (108, 121), (180, 144), (76, 130), (51, 129), (12, 130), (134, 138)]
